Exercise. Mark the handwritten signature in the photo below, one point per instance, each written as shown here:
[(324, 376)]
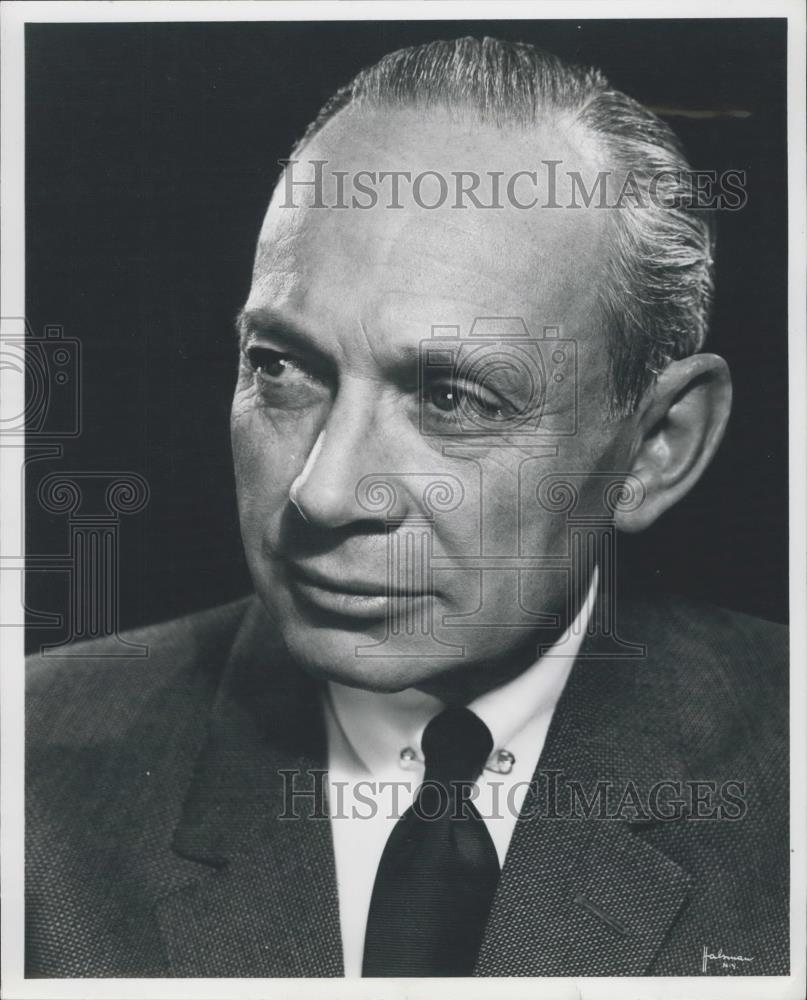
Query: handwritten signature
[(729, 961)]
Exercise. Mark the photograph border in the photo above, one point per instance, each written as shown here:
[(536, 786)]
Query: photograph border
[(12, 395)]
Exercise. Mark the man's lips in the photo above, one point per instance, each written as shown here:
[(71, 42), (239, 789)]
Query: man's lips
[(348, 595), (356, 586)]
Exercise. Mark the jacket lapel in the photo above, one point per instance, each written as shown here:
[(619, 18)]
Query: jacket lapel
[(591, 897), (262, 899)]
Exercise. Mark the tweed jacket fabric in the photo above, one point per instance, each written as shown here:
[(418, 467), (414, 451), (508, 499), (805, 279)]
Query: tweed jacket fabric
[(156, 847)]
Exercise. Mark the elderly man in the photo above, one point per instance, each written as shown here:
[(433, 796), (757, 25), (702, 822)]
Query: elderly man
[(437, 743)]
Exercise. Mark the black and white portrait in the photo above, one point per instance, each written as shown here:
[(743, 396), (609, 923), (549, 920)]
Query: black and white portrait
[(405, 573)]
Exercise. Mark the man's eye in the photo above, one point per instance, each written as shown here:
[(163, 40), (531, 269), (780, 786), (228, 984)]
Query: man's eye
[(283, 381), (451, 397), (271, 365), (444, 398)]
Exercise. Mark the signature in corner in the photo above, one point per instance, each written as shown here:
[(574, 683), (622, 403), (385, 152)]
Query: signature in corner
[(728, 961)]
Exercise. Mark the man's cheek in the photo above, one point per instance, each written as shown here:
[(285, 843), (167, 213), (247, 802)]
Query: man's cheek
[(263, 481), (267, 456), (254, 460)]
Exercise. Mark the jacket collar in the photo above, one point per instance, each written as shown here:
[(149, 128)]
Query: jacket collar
[(576, 896)]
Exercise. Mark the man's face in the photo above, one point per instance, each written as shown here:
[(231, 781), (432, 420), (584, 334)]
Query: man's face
[(344, 430)]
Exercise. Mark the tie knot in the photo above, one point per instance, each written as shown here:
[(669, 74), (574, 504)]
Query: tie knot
[(456, 744)]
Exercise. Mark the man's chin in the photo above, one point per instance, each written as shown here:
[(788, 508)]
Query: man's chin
[(361, 661)]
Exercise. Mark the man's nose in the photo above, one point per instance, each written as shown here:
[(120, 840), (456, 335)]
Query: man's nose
[(351, 445)]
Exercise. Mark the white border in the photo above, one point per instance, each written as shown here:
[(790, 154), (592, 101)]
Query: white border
[(13, 17)]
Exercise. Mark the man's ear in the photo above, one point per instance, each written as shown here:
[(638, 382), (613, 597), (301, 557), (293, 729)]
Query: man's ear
[(678, 427)]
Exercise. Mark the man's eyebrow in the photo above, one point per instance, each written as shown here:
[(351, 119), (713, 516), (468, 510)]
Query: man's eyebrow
[(402, 364), (267, 323)]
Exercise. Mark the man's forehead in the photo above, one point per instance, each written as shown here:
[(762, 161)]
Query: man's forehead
[(404, 284), (432, 262)]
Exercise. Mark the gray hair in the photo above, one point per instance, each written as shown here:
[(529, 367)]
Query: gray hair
[(656, 299)]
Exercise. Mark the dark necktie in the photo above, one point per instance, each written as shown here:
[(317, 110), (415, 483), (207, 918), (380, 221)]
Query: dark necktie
[(435, 882)]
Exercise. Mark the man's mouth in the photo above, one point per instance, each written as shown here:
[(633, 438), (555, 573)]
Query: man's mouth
[(349, 595)]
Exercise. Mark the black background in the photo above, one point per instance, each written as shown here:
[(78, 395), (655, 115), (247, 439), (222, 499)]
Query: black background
[(151, 154)]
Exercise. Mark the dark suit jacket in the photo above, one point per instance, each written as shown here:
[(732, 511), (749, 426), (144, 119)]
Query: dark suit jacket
[(155, 847)]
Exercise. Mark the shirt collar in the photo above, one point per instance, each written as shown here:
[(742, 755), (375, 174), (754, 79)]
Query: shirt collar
[(377, 726)]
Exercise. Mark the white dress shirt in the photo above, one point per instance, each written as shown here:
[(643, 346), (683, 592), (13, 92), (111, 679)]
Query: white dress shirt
[(370, 786)]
